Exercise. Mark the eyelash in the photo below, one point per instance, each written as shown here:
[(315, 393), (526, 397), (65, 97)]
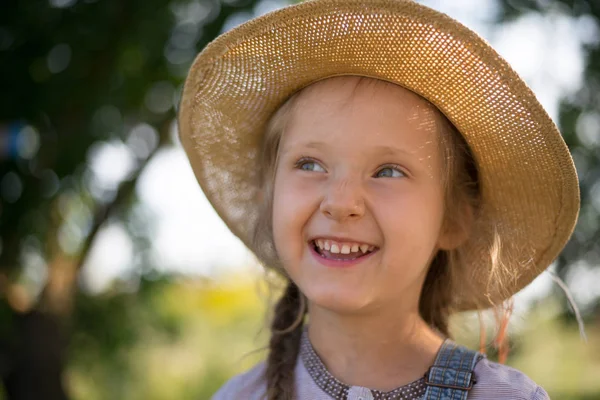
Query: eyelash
[(306, 160), (395, 167)]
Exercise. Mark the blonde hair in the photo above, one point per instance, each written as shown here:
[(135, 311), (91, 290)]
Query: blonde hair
[(445, 273)]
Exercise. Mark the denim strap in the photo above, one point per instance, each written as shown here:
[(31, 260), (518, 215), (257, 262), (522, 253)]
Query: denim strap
[(451, 376)]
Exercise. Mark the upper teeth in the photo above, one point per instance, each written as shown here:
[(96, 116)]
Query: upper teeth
[(342, 247)]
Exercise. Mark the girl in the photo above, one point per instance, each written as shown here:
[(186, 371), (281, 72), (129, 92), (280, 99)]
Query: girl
[(395, 170)]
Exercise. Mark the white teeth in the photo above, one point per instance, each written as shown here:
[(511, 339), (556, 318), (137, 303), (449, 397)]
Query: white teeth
[(343, 248)]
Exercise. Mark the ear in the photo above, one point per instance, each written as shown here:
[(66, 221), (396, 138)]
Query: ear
[(457, 230)]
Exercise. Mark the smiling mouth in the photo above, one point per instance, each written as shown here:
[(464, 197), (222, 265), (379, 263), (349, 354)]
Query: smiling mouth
[(333, 250)]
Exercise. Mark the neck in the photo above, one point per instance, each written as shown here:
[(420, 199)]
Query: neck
[(380, 352)]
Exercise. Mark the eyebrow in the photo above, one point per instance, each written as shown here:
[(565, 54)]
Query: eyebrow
[(389, 150), (379, 150), (310, 145)]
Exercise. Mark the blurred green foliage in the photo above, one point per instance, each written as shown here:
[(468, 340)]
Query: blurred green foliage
[(173, 339), (77, 75)]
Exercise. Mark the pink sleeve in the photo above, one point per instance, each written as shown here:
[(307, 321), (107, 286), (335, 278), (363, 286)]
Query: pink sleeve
[(248, 386), (500, 382)]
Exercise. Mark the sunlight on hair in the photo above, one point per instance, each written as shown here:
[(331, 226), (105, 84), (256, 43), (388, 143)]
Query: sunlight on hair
[(567, 292)]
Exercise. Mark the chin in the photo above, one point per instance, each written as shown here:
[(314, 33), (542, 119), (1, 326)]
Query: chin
[(338, 301)]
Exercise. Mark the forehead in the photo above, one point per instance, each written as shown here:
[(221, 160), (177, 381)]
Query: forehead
[(361, 109)]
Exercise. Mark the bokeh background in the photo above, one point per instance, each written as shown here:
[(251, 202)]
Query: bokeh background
[(118, 280)]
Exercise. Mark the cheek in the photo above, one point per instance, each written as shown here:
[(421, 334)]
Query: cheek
[(293, 205), (411, 225)]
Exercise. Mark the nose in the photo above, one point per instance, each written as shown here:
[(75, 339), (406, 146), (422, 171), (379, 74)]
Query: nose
[(343, 201)]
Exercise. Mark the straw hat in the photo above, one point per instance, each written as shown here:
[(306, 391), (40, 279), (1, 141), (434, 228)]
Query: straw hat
[(528, 181)]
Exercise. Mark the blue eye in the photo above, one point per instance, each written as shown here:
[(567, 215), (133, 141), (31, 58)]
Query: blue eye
[(389, 172), (308, 165)]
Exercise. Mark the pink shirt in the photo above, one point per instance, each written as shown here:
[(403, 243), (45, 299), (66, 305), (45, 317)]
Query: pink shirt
[(494, 382)]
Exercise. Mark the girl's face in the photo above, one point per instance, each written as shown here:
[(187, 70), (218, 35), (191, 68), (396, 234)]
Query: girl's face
[(358, 196)]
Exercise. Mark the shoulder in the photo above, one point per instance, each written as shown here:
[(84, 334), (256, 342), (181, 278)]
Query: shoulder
[(249, 386), (497, 381)]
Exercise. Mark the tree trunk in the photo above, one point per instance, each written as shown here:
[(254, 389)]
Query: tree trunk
[(33, 367)]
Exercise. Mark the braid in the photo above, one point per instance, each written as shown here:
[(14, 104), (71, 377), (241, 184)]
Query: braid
[(286, 332)]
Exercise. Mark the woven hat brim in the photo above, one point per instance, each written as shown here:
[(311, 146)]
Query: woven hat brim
[(528, 183)]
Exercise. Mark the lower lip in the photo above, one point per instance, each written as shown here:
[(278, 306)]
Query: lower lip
[(339, 263)]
